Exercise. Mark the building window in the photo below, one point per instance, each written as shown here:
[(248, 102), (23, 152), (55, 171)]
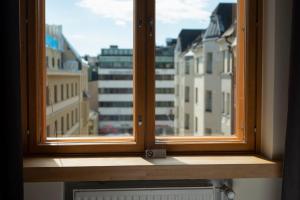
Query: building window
[(208, 101), (187, 67), (55, 127), (55, 94), (72, 118), (186, 121), (62, 92), (68, 121), (187, 94), (53, 62), (68, 95), (58, 63), (228, 103), (209, 63), (62, 125), (76, 89), (72, 90), (223, 102)]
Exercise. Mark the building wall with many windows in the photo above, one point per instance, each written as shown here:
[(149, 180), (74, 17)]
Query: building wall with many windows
[(67, 107)]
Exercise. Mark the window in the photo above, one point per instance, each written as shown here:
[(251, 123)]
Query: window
[(187, 122), (53, 62), (76, 89), (62, 93), (72, 118), (62, 125), (55, 94), (187, 94), (68, 122), (72, 90), (58, 63), (209, 63), (208, 101), (67, 92), (55, 127), (165, 82), (228, 104)]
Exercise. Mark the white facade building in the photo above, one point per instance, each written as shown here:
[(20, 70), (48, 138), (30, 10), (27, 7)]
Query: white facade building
[(203, 89), (115, 91)]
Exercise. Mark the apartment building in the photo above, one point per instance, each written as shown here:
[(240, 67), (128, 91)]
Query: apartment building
[(67, 105), (203, 88), (115, 77), (184, 81)]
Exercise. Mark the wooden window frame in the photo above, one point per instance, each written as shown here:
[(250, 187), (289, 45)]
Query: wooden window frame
[(247, 127)]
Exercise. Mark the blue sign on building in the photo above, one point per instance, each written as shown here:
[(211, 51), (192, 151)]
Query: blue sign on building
[(52, 42)]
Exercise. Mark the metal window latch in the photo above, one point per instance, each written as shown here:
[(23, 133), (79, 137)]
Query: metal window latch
[(151, 25), (155, 153), (140, 120), (140, 23)]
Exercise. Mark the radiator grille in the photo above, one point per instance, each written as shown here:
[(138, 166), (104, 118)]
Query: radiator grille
[(203, 193)]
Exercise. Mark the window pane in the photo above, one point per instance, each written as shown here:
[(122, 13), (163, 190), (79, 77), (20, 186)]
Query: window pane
[(89, 89), (197, 39)]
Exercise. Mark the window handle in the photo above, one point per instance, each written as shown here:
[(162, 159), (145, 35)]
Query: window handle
[(140, 120), (151, 25), (140, 23)]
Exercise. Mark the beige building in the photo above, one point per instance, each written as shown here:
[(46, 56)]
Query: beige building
[(67, 98)]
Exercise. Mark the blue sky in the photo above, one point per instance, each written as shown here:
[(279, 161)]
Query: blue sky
[(94, 24)]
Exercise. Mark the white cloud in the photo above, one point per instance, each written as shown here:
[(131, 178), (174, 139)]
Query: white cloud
[(120, 11), (168, 11)]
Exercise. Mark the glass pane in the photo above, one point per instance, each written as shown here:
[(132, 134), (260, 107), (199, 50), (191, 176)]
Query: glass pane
[(89, 89), (195, 64)]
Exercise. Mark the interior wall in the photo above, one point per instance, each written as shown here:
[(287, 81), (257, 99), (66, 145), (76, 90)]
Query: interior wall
[(276, 60), (258, 189), (44, 191)]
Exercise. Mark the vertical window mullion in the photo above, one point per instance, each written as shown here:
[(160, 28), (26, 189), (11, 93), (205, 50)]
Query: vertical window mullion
[(139, 73), (150, 71)]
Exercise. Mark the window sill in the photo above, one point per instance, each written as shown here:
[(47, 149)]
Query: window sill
[(137, 168)]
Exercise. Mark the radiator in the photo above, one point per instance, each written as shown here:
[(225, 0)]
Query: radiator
[(196, 193)]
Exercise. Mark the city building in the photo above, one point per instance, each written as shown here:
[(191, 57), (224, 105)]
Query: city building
[(204, 65), (115, 80), (67, 104), (184, 81)]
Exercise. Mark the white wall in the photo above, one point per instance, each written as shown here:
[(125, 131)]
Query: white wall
[(257, 189)]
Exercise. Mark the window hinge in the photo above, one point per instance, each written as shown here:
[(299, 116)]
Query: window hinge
[(254, 130), (27, 132)]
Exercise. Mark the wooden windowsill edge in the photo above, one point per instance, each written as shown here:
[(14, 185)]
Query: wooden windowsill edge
[(48, 169)]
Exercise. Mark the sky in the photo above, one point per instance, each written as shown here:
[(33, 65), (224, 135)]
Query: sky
[(90, 25)]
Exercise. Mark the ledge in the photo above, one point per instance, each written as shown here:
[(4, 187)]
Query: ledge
[(138, 168)]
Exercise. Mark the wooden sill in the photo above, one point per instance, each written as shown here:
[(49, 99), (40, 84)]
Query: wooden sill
[(138, 168)]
